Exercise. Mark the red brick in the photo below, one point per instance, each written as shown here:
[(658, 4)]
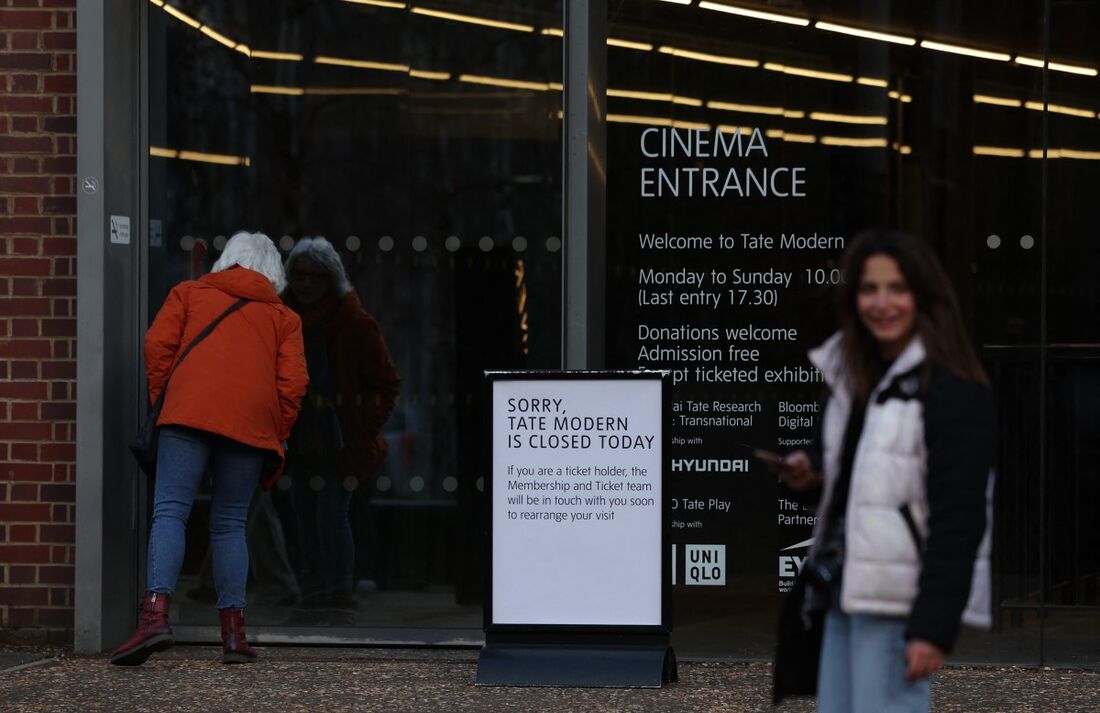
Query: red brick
[(25, 205), (24, 595), (62, 268), (24, 348), (21, 617), (55, 574), (24, 451), (23, 554), (65, 534), (61, 226), (59, 327), (61, 308), (59, 124), (61, 349), (62, 185), (24, 124), (60, 41), (25, 82), (23, 390), (25, 328), (58, 452), (59, 286), (37, 19), (25, 184), (26, 41), (59, 391), (23, 533), (27, 144), (58, 411), (56, 618), (58, 246), (26, 246), (22, 575), (59, 554), (58, 370), (25, 287), (24, 472), (59, 204), (24, 493), (25, 60), (28, 432), (25, 164)]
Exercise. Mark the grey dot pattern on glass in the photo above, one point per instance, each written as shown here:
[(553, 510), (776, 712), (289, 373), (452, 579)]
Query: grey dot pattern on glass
[(993, 241), (1027, 242)]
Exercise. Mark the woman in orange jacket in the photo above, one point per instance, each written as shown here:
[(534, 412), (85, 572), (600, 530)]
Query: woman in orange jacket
[(230, 406)]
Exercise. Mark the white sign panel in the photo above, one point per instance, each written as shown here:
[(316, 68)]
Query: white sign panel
[(577, 502), (120, 229)]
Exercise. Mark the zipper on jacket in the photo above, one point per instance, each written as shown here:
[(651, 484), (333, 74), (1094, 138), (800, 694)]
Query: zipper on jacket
[(911, 525)]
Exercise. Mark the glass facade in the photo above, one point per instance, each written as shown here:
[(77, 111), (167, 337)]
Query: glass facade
[(745, 144)]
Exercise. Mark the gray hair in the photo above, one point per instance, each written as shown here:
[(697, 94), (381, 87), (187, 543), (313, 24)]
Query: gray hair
[(256, 252), (321, 252)]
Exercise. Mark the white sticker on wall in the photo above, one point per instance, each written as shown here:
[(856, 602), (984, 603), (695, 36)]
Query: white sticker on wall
[(120, 229)]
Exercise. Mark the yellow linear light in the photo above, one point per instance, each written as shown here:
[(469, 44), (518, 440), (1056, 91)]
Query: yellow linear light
[(275, 89), (678, 2), (811, 73), (1059, 109), (1078, 154), (635, 119), (243, 49), (654, 96), (1057, 66), (854, 143), (424, 74), (355, 91), (499, 82), (361, 64), (793, 114), (997, 101), (470, 19), (848, 118), (218, 37), (629, 44), (872, 82), (707, 57), (731, 129), (800, 138), (903, 98), (746, 108), (754, 14), (288, 56), (556, 86), (181, 16), (774, 133), (553, 31), (162, 152), (158, 3), (1038, 153), (903, 149), (380, 3), (1001, 151), (697, 125), (968, 51), (218, 158), (867, 34)]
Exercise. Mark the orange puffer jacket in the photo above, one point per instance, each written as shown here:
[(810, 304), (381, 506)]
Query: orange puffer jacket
[(244, 381)]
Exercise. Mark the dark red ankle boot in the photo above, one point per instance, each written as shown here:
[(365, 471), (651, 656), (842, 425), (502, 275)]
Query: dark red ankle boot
[(235, 648), (153, 632)]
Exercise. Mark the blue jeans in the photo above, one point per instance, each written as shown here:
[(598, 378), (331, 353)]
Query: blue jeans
[(863, 667), (182, 457)]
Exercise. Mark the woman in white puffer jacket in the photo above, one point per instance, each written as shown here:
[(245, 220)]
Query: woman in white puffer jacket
[(901, 545)]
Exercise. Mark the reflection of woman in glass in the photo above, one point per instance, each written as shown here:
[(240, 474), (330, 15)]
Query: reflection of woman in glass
[(336, 444), (901, 545)]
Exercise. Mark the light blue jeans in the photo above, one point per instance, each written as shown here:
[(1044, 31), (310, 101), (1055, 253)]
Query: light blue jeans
[(863, 667), (183, 455)]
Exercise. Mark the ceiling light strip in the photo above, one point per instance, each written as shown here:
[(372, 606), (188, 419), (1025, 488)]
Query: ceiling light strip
[(754, 14), (472, 20), (867, 34), (967, 51)]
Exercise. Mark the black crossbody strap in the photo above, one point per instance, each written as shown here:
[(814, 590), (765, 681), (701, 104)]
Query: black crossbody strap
[(198, 338)]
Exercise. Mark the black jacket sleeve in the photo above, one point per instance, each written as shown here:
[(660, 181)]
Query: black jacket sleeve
[(960, 435)]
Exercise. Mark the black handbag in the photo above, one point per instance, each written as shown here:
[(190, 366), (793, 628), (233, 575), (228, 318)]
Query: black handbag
[(144, 444)]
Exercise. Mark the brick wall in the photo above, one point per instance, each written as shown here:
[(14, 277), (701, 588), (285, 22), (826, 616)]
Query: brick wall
[(37, 312)]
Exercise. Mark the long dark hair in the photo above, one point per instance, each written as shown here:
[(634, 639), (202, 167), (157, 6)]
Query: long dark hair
[(939, 320)]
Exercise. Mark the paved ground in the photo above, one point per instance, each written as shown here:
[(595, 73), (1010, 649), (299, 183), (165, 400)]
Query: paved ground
[(399, 680)]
